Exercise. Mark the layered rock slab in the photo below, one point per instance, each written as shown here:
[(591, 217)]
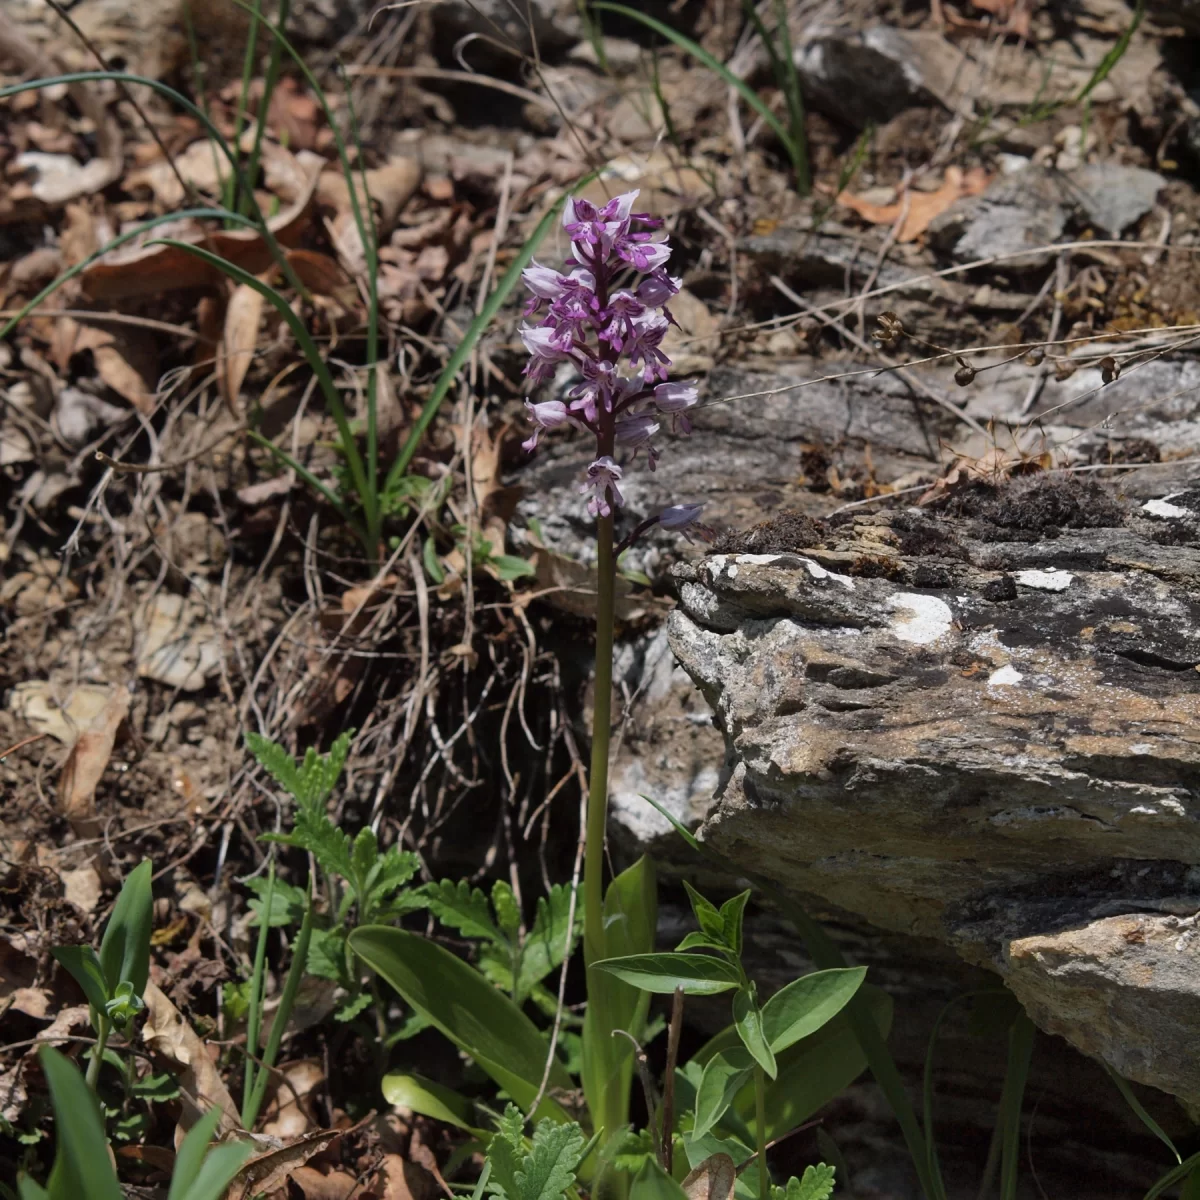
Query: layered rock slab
[(983, 734)]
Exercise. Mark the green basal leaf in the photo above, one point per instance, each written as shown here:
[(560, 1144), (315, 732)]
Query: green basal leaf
[(724, 1077), (464, 908), (431, 562), (392, 870), (81, 1166), (467, 1009), (700, 1149), (508, 567), (807, 1003), (125, 948), (84, 965), (697, 974), (30, 1190), (191, 1152), (707, 916), (748, 1021), (430, 1100), (157, 1087), (364, 853), (217, 1171)]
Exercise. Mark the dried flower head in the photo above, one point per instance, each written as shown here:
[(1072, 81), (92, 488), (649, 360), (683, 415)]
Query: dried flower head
[(965, 375), (606, 315), (1110, 369), (889, 329)]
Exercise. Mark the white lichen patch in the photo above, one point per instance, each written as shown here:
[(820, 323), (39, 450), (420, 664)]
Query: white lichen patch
[(819, 572), (1164, 509), (921, 619), (1045, 581), (1005, 677)]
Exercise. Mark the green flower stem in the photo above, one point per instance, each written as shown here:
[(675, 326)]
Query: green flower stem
[(597, 810), (103, 1028), (760, 1131)]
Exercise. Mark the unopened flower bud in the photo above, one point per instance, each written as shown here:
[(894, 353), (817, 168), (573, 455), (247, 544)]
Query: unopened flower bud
[(680, 516), (1110, 369), (965, 375)]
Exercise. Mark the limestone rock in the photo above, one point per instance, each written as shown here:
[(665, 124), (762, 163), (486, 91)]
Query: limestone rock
[(979, 729)]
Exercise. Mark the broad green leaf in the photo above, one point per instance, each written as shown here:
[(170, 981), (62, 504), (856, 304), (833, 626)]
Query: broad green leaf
[(464, 908), (707, 916), (815, 1070), (430, 1100), (748, 1021), (30, 1190), (125, 949), (653, 1183), (732, 912), (1185, 1170), (220, 1166), (700, 1149), (697, 974), (509, 567), (815, 1184), (466, 1008), (805, 1004), (724, 1077), (81, 1166), (84, 966), (191, 1152)]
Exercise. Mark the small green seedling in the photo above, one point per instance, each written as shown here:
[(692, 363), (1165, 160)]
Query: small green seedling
[(113, 980), (362, 884), (82, 1167)]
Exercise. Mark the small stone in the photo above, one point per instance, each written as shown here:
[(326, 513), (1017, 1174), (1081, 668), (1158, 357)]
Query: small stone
[(1002, 588), (1113, 197)]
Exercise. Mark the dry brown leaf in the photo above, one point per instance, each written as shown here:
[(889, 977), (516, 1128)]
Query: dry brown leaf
[(86, 764), (289, 1110), (322, 275), (235, 351), (126, 359), (390, 188), (713, 1179), (922, 207), (152, 270), (166, 1032), (266, 1172), (313, 1185), (400, 1179)]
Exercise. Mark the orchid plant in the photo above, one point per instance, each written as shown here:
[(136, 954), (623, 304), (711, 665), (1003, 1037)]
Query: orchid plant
[(604, 318)]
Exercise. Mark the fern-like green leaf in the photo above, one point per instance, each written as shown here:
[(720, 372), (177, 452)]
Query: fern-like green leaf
[(276, 761), (463, 908), (392, 870), (815, 1184), (506, 1154), (544, 946), (549, 1168)]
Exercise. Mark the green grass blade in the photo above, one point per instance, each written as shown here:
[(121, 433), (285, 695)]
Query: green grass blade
[(1141, 1114), (254, 1016), (257, 219), (474, 332), (789, 84), (1185, 1170), (240, 197), (218, 214), (1114, 56), (305, 474), (283, 1014), (264, 105), (81, 1165), (701, 55), (309, 348), (1020, 1050)]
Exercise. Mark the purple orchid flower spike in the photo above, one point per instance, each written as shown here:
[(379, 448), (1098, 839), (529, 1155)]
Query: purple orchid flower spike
[(605, 314)]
